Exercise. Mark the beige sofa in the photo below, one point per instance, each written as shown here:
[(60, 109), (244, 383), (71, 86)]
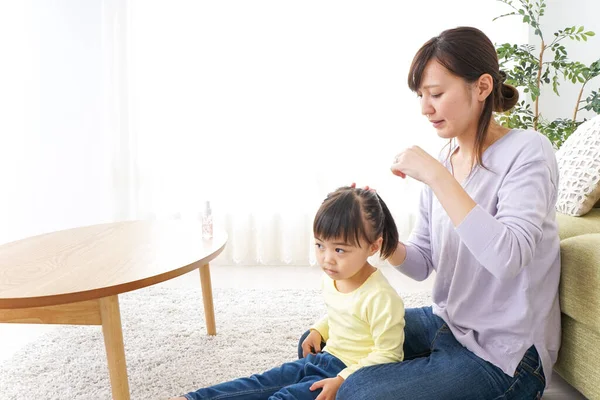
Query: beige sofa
[(579, 358)]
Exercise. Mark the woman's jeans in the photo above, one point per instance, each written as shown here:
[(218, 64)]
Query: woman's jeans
[(290, 381), (437, 367)]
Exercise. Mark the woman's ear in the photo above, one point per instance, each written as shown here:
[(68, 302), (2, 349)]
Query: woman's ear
[(375, 246), (484, 86)]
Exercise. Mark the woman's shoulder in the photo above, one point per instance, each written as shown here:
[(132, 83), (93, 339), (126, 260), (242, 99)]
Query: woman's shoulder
[(530, 136), (525, 146)]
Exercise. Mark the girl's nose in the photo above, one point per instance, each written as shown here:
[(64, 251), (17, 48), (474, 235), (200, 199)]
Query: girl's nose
[(328, 257)]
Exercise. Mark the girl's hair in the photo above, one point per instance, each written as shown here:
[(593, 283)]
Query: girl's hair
[(467, 53), (350, 214)]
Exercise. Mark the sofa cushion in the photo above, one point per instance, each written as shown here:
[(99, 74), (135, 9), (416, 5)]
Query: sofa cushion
[(579, 166), (573, 226), (580, 279)]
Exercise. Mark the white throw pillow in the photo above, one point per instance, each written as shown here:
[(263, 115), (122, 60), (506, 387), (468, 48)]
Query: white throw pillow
[(579, 169)]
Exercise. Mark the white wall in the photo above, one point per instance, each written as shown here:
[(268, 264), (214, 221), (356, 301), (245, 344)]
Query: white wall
[(559, 15)]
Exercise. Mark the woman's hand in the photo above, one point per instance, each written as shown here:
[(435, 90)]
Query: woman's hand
[(330, 387), (353, 185), (418, 164), (312, 343)]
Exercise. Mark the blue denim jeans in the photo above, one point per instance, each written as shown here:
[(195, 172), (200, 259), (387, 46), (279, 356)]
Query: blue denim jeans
[(290, 381), (436, 366)]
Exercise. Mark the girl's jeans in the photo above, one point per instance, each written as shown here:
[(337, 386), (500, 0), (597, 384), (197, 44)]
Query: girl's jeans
[(290, 381), (437, 367)]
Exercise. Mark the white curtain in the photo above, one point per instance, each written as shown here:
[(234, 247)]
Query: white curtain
[(261, 107), (56, 141)]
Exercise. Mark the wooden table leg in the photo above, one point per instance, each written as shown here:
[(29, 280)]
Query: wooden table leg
[(207, 297), (115, 351)]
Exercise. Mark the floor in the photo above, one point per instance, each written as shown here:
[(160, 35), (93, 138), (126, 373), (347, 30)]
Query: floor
[(14, 336)]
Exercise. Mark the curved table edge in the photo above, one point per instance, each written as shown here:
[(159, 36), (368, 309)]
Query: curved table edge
[(93, 294)]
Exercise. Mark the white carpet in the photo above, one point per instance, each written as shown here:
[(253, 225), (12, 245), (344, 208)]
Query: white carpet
[(168, 352)]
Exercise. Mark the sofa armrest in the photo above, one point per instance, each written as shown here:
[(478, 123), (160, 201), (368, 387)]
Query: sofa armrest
[(580, 279)]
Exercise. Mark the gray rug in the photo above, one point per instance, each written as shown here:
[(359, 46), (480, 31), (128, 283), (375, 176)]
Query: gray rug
[(167, 349)]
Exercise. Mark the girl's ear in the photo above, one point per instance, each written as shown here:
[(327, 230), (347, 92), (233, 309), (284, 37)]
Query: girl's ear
[(375, 246)]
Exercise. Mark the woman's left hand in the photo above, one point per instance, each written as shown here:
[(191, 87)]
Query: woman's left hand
[(418, 164), (330, 387)]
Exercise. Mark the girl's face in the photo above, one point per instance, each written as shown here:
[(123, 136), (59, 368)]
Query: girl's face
[(451, 104), (342, 261)]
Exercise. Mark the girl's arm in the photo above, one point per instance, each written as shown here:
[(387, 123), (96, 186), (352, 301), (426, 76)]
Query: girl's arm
[(322, 326)]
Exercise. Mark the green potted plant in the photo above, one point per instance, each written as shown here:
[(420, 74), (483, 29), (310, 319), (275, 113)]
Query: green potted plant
[(530, 67)]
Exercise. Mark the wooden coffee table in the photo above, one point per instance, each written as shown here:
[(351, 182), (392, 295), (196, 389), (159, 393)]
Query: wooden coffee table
[(75, 276)]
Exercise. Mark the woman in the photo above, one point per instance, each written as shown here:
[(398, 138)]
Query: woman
[(487, 227)]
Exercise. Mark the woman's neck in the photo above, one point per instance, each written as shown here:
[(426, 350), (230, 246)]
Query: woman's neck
[(466, 142)]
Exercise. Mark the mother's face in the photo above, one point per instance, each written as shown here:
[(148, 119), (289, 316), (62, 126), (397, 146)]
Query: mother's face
[(450, 103)]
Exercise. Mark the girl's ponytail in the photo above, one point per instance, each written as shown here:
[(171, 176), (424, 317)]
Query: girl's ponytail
[(390, 231)]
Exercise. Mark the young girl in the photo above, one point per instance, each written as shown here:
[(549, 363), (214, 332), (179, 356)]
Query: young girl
[(487, 227), (364, 324)]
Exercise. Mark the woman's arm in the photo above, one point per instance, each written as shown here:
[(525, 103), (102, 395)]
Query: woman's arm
[(413, 259), (451, 195), (399, 255), (505, 242)]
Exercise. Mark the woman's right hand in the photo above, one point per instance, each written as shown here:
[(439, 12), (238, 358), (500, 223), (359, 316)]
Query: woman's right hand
[(312, 343)]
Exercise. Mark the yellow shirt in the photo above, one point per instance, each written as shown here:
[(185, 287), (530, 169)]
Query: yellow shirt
[(364, 327)]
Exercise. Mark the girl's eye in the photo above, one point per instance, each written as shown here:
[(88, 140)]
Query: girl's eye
[(341, 251), (319, 245)]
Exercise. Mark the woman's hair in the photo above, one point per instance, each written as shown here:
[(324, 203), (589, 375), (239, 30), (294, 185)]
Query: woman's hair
[(350, 214), (467, 53)]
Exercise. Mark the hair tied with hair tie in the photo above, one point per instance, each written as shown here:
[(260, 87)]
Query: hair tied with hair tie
[(502, 76)]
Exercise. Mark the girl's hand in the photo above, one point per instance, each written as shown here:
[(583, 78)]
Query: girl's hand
[(330, 387), (418, 164), (312, 343)]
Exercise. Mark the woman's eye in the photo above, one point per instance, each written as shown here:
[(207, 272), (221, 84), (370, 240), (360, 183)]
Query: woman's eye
[(435, 96)]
